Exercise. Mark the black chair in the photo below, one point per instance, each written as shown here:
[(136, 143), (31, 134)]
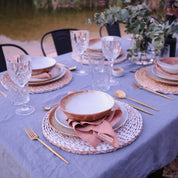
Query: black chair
[(113, 30), (172, 42), (2, 56), (170, 17), (61, 39)]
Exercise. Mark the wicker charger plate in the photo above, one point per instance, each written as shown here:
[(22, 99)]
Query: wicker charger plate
[(43, 88), (85, 60), (126, 135), (144, 79)]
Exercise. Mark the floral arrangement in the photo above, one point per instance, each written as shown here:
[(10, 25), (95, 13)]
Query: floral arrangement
[(139, 22)]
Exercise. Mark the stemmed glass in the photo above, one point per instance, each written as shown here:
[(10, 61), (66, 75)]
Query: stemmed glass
[(80, 41), (111, 47), (20, 71)]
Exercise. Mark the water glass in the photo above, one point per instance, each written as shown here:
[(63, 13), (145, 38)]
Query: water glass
[(16, 94), (80, 41), (20, 71), (100, 72), (111, 48)]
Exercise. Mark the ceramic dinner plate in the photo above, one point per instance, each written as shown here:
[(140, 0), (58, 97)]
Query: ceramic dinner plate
[(57, 72), (163, 76), (58, 121), (158, 79)]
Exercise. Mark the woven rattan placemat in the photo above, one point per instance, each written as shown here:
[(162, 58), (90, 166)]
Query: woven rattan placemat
[(126, 135), (144, 79), (43, 88)]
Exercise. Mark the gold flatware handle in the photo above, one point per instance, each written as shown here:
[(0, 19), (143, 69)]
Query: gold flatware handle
[(142, 103), (136, 107), (158, 93), (70, 68), (141, 109), (58, 155), (2, 93)]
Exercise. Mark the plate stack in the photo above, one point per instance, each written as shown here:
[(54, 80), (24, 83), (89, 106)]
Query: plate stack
[(84, 106), (165, 70), (45, 70)]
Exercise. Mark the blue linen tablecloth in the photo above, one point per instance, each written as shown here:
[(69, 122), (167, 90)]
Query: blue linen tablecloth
[(156, 146)]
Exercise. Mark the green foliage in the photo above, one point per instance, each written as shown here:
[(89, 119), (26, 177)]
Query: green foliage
[(138, 20)]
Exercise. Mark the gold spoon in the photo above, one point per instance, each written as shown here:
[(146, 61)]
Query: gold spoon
[(47, 108), (122, 94), (70, 68)]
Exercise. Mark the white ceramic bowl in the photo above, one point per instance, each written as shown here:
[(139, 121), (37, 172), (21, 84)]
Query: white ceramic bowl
[(86, 105), (42, 64), (118, 71), (169, 64)]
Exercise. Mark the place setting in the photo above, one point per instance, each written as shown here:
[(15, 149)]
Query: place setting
[(162, 76), (91, 122), (95, 47), (47, 75)]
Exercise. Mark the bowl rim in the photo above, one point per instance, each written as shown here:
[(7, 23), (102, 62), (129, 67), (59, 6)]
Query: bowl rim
[(166, 64)]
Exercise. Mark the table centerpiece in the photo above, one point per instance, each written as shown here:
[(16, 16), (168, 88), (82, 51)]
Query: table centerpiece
[(149, 34)]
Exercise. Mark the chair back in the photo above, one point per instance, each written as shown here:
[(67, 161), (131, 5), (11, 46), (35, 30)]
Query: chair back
[(2, 57), (113, 30), (61, 39), (172, 42)]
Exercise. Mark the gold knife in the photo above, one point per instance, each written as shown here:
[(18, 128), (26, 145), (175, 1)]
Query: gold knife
[(136, 107)]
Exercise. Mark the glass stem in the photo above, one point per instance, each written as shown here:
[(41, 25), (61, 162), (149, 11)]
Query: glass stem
[(81, 62), (111, 66)]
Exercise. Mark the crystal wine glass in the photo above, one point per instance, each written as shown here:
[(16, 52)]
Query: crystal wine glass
[(80, 41), (111, 48), (20, 71)]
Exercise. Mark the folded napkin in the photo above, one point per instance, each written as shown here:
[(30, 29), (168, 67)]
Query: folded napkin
[(100, 130), (44, 75), (160, 69)]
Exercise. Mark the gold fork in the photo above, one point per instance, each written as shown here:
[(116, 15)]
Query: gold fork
[(155, 92), (33, 136)]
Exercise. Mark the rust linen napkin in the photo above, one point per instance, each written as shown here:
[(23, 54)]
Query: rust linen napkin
[(163, 71), (100, 130), (44, 75)]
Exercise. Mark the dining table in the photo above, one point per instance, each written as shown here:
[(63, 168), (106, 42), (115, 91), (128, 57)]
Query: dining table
[(155, 146)]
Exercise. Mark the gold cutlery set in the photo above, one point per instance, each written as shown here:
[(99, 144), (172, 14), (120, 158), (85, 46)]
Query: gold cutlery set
[(122, 94)]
